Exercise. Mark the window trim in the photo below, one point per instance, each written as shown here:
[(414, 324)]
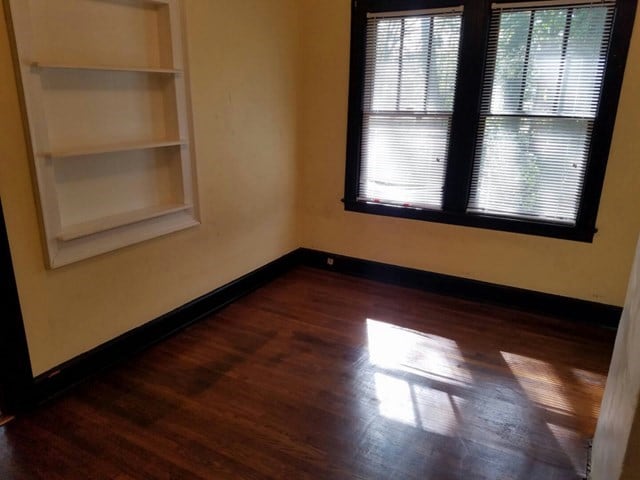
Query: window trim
[(476, 21)]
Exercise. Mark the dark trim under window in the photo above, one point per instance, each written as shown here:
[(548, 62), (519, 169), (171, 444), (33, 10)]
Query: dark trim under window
[(434, 131)]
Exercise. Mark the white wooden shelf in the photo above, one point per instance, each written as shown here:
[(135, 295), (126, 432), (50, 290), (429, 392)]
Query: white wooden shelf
[(108, 113), (125, 147), (111, 222), (107, 68)]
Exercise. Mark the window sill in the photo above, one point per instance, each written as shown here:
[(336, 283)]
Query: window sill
[(565, 232)]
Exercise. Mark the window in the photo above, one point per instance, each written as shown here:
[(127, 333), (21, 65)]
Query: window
[(489, 115), (412, 64)]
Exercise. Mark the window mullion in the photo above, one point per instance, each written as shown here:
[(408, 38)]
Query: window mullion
[(466, 113)]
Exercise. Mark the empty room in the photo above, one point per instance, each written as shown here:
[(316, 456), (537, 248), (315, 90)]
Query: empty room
[(320, 239)]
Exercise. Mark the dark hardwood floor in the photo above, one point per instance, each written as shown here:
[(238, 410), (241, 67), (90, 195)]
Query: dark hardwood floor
[(323, 376)]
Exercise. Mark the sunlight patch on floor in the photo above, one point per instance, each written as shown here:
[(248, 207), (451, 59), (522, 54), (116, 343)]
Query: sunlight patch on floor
[(429, 356), (400, 353), (540, 382), (567, 440), (396, 402), (588, 380), (414, 405)]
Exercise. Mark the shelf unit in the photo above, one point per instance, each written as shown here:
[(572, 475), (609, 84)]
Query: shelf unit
[(108, 115)]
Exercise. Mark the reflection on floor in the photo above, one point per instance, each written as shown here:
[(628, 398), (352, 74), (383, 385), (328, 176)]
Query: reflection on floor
[(323, 376)]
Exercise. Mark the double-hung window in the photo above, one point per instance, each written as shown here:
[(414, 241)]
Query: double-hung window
[(495, 115), (410, 79)]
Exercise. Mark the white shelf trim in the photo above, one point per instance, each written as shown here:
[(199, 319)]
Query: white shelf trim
[(106, 68), (85, 229), (125, 147)]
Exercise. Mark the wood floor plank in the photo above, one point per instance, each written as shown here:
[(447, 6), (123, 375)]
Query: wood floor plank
[(324, 376)]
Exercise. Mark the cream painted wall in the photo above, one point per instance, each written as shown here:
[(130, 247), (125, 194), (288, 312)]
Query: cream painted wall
[(597, 272), (243, 82)]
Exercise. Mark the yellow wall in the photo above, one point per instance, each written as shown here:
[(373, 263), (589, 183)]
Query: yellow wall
[(243, 78), (597, 271)]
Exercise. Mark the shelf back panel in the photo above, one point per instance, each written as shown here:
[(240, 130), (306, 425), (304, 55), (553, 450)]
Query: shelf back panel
[(85, 108), (104, 32), (115, 183)]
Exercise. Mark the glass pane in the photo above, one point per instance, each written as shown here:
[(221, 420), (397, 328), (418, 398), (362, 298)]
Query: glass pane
[(531, 168), (585, 63), (548, 61), (416, 48), (444, 64), (509, 72), (545, 62), (404, 160), (385, 59), (412, 63)]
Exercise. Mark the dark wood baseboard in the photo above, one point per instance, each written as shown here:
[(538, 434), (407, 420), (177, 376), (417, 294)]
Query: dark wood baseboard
[(573, 309), (74, 371)]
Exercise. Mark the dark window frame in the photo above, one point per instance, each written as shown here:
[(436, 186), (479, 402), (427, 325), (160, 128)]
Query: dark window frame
[(466, 117)]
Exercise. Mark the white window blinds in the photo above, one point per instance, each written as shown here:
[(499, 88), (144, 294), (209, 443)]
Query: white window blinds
[(410, 80), (541, 95)]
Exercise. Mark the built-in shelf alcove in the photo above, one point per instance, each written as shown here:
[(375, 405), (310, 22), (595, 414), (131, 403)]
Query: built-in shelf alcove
[(106, 97)]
